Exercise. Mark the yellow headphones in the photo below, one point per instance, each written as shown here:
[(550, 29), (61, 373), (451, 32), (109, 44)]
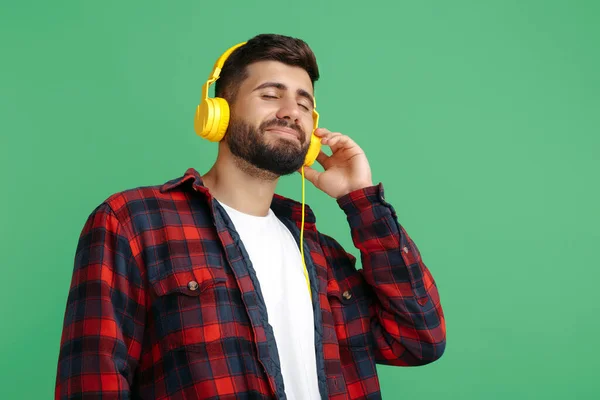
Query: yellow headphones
[(212, 119)]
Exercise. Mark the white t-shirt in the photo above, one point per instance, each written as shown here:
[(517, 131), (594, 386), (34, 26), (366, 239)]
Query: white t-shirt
[(276, 258)]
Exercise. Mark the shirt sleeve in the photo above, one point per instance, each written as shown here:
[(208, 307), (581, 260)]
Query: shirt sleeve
[(407, 320), (105, 313)]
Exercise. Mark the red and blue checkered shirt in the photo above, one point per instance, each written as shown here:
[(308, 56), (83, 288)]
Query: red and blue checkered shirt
[(165, 304)]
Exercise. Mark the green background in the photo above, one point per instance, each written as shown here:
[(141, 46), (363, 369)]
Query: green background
[(481, 118)]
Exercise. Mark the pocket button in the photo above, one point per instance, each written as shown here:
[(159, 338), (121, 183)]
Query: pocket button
[(193, 285)]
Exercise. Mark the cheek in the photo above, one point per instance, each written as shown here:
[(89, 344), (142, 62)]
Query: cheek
[(261, 117), (309, 124), (249, 111)]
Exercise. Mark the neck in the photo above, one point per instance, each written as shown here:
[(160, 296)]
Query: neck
[(240, 185)]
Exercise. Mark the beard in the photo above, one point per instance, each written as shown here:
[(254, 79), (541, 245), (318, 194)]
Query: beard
[(282, 157)]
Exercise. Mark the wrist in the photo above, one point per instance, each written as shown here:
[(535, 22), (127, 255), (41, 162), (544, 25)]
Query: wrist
[(358, 186)]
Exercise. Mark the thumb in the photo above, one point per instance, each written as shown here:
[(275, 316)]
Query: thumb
[(312, 175)]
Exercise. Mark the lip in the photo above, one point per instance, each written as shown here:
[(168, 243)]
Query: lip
[(285, 131)]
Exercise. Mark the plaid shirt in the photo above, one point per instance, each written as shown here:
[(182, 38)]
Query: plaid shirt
[(165, 304)]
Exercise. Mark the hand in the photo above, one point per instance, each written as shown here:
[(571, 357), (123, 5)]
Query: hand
[(346, 169)]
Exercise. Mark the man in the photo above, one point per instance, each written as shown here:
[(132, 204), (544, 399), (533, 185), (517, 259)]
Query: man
[(196, 289)]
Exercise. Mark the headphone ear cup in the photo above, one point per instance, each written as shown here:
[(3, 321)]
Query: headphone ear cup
[(212, 119), (222, 118), (314, 148)]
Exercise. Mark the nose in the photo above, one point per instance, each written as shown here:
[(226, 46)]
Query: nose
[(288, 110)]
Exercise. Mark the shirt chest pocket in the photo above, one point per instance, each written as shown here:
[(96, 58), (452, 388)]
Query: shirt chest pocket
[(351, 306), (191, 306)]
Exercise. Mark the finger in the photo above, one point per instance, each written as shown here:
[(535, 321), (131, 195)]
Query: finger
[(330, 138), (326, 138), (322, 132), (339, 142), (311, 174), (322, 158)]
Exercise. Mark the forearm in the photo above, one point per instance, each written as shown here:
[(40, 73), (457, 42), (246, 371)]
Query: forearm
[(411, 325)]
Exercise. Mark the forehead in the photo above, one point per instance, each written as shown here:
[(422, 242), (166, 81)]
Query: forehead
[(273, 71)]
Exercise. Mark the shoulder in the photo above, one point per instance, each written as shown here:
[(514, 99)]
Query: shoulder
[(143, 203), (132, 200)]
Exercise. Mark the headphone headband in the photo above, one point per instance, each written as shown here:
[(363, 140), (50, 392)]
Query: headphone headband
[(216, 72), (221, 61)]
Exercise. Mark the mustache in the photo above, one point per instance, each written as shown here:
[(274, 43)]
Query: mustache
[(284, 124)]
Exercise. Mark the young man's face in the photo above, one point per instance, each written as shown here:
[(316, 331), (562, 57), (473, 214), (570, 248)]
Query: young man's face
[(271, 119)]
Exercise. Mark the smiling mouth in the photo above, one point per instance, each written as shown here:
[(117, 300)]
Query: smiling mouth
[(285, 132)]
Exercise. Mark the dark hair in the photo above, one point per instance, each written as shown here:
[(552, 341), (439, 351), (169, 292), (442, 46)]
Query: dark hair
[(272, 47)]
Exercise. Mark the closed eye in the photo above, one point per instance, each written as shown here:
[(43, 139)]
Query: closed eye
[(267, 96)]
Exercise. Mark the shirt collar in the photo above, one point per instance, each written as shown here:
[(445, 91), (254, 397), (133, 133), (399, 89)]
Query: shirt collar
[(281, 206)]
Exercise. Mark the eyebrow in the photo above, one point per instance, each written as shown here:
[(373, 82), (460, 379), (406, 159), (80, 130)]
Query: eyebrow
[(281, 86)]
